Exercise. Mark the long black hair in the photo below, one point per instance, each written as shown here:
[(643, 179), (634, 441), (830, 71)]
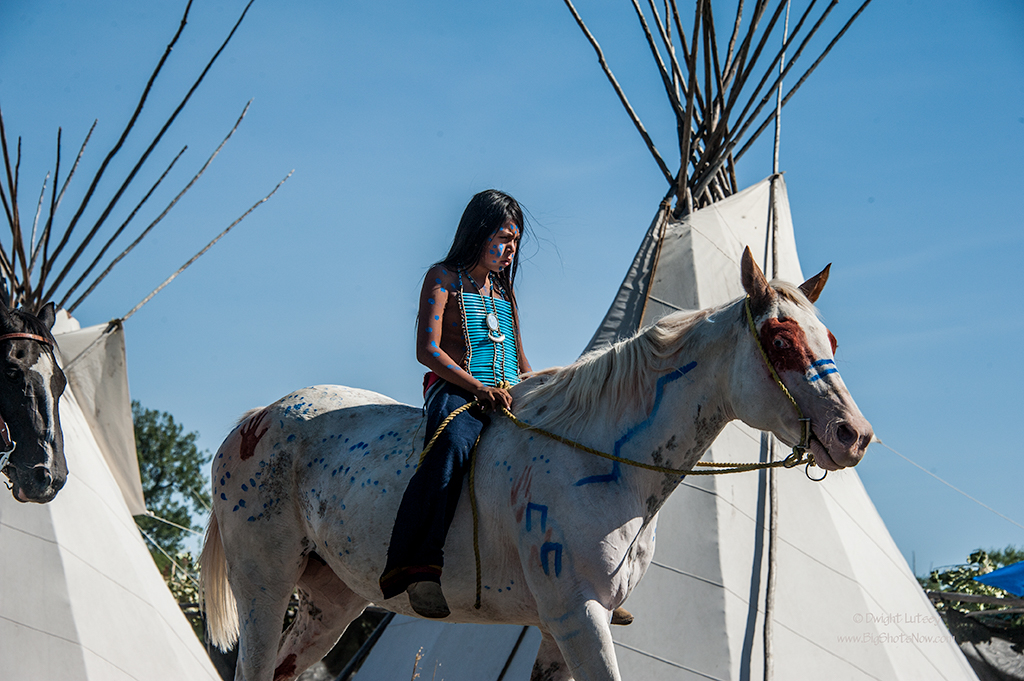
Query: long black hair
[(484, 215)]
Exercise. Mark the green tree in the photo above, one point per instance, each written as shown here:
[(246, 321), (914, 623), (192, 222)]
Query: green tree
[(960, 579), (173, 473)]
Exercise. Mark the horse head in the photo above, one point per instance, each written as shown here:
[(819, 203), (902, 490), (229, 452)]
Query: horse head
[(796, 349), (31, 440)]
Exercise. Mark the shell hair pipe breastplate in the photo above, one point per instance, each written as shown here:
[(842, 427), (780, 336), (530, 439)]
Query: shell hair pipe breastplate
[(489, 327)]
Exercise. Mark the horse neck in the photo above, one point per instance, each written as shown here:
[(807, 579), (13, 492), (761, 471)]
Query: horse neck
[(691, 404)]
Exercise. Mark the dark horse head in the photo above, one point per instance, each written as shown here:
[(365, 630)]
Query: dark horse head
[(31, 441)]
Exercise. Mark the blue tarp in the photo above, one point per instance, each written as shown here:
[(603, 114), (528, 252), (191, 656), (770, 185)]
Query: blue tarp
[(1010, 578)]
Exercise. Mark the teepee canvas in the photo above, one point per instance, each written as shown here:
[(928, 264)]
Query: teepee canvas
[(755, 575), (81, 597), (846, 605)]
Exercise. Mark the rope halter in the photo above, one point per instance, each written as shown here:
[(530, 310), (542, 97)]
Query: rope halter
[(801, 451)]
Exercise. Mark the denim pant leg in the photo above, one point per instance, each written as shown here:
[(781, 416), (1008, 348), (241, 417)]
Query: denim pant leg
[(428, 505)]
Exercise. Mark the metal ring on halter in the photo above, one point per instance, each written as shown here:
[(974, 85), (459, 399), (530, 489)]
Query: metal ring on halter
[(795, 458), (807, 471)]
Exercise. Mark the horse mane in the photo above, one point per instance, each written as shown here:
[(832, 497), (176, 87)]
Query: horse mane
[(623, 373), (567, 399)]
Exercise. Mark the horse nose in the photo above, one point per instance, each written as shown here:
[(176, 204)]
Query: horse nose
[(43, 477), (847, 435), (855, 437)]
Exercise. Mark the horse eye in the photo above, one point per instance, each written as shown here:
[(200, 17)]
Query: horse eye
[(781, 343)]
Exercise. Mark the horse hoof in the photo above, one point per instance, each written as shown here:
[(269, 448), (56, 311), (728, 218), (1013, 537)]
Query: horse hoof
[(622, 617), (427, 600)]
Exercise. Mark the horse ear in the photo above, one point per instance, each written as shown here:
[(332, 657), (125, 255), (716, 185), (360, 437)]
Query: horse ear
[(813, 286), (754, 283), (48, 315)]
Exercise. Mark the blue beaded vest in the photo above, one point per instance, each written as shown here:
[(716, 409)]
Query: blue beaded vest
[(489, 327)]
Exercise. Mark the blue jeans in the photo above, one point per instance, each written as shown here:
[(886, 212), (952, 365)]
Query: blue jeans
[(416, 551)]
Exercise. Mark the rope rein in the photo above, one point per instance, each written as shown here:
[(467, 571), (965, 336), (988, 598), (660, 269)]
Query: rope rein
[(800, 454)]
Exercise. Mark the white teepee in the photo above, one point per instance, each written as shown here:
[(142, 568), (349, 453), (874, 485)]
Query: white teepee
[(811, 563), (81, 596), (846, 605)]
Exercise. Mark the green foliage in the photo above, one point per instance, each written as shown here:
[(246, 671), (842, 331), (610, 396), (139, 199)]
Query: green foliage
[(960, 579), (173, 481)]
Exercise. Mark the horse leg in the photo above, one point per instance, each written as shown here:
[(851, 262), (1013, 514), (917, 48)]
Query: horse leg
[(550, 665), (326, 608), (262, 589), (584, 640)]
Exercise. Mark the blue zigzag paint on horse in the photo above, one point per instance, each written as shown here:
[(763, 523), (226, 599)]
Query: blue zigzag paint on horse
[(616, 471)]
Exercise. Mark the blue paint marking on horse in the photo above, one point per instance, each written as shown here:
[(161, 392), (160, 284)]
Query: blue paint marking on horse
[(822, 372), (614, 476), (659, 390), (549, 547), (540, 508)]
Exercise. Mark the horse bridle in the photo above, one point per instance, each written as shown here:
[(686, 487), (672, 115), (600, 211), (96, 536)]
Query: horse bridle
[(801, 449), (6, 442)]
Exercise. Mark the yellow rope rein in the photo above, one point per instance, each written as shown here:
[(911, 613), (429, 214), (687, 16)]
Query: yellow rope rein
[(800, 454)]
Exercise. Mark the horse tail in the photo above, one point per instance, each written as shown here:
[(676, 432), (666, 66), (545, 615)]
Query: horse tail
[(215, 591)]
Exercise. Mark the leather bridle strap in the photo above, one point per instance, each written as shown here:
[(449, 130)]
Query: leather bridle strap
[(27, 336)]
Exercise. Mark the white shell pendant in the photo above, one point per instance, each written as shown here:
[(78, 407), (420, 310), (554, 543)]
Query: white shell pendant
[(494, 328)]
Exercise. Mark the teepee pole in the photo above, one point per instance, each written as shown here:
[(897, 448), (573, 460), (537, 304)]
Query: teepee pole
[(145, 155), (206, 248), (49, 262), (160, 217), (804, 77), (117, 233), (684, 198), (622, 95), (773, 486), (666, 79)]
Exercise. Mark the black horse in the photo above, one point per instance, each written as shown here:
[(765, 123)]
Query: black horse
[(31, 441)]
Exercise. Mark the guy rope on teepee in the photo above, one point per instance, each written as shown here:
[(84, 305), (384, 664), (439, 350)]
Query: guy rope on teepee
[(306, 489)]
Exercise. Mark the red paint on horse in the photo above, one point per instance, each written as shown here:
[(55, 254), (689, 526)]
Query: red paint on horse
[(286, 669), (786, 345), (250, 438), (519, 496)]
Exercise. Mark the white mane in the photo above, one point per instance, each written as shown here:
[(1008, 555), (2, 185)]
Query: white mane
[(568, 399), (623, 374)]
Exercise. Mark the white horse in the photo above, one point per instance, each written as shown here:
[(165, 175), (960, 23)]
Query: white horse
[(306, 490)]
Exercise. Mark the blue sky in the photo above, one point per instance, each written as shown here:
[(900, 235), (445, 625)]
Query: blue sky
[(902, 153)]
